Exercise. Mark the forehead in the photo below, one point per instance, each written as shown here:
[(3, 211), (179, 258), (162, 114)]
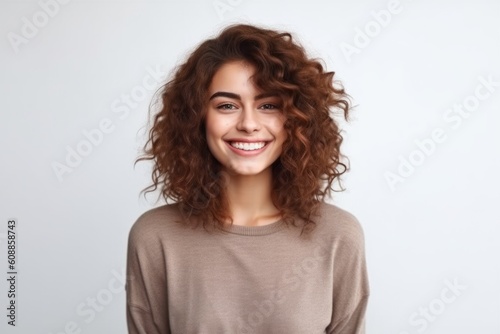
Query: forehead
[(234, 73)]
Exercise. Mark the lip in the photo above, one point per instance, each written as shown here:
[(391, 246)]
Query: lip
[(248, 153), (246, 140)]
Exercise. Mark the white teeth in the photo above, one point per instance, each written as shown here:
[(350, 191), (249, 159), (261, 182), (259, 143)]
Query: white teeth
[(248, 146)]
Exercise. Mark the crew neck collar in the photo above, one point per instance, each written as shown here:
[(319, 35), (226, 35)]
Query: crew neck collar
[(255, 230)]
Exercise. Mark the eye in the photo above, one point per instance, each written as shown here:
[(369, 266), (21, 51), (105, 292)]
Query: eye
[(269, 106), (226, 106)]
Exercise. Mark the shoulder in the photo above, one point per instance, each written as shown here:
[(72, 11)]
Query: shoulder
[(340, 224), (152, 224), (338, 218)]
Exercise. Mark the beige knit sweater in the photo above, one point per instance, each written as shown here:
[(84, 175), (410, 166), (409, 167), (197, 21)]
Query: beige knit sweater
[(248, 279)]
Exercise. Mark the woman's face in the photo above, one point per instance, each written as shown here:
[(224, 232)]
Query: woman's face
[(244, 125)]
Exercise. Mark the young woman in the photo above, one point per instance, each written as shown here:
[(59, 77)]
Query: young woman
[(246, 146)]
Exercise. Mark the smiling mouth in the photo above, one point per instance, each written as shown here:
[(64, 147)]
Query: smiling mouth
[(245, 146)]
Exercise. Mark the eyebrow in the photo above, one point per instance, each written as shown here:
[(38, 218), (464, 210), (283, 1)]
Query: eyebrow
[(238, 97)]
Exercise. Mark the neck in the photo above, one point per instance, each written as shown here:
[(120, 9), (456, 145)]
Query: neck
[(250, 198)]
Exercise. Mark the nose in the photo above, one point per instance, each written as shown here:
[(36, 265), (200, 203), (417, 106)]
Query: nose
[(248, 121)]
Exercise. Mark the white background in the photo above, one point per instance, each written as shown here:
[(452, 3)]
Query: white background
[(438, 223)]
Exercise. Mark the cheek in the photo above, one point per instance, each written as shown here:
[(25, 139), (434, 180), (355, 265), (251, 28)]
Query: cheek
[(277, 127), (210, 125), (217, 124), (215, 128)]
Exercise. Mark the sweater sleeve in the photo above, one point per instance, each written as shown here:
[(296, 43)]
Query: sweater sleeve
[(140, 321), (146, 288), (350, 282)]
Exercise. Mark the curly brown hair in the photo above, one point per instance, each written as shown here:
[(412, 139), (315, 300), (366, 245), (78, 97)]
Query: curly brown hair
[(187, 172)]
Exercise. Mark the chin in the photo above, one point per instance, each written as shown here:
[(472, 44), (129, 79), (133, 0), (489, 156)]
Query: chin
[(246, 171)]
